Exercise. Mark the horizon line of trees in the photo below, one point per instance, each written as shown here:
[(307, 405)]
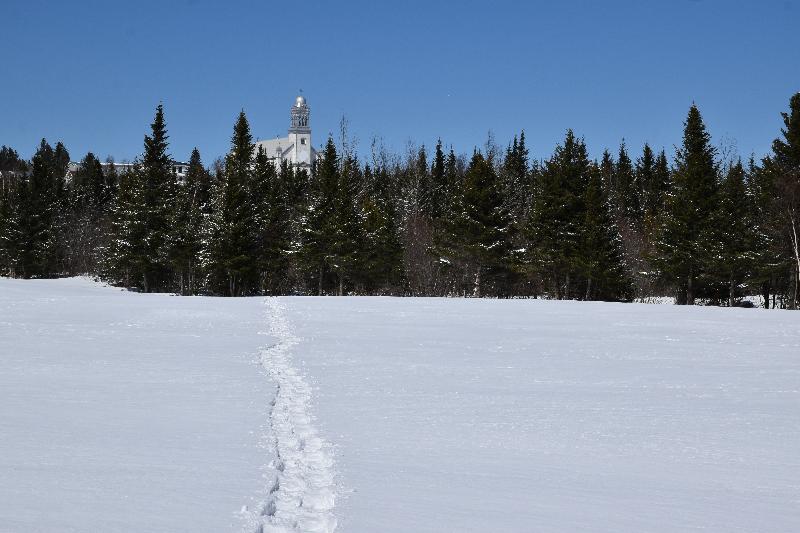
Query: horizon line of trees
[(702, 227)]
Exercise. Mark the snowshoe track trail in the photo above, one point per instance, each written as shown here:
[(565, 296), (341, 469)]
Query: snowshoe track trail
[(301, 497)]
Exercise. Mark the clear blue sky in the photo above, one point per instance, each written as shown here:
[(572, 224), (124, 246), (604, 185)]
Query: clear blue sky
[(91, 73)]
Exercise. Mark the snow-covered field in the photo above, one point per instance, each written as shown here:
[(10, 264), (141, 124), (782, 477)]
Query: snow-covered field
[(128, 412)]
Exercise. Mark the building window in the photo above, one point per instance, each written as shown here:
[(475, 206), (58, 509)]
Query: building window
[(302, 141)]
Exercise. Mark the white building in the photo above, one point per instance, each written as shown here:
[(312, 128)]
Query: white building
[(296, 147), (179, 167)]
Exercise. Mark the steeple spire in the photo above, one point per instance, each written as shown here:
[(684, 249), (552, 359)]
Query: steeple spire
[(300, 115)]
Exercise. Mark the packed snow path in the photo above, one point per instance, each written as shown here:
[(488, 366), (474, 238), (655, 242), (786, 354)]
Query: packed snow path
[(300, 497)]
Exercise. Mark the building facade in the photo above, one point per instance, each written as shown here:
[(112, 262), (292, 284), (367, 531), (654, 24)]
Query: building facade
[(296, 147)]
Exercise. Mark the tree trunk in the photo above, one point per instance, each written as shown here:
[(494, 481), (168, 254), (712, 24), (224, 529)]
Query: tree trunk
[(477, 290), (690, 287), (319, 285), (730, 291), (588, 289), (796, 246), (765, 293), (556, 284)]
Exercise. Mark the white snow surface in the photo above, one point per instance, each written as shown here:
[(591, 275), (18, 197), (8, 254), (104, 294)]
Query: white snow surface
[(124, 412), (454, 415)]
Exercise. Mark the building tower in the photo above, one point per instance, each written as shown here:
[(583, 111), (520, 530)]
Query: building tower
[(300, 132), (295, 148)]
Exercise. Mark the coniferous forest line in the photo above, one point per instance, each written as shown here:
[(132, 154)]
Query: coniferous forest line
[(702, 226)]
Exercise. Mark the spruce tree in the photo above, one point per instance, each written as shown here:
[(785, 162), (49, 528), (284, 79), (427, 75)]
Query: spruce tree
[(601, 254), (481, 232), (85, 216), (319, 231), (41, 205), (12, 191), (437, 191), (607, 177), (554, 229), (269, 193), (125, 261), (186, 238), (383, 261), (684, 235), (783, 169), (158, 195), (731, 258), (645, 176), (348, 246), (627, 188), (232, 263), (514, 175)]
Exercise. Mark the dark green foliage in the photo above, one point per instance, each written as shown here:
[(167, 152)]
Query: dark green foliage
[(143, 216), (731, 257), (270, 194), (684, 233), (601, 255), (781, 178), (627, 187), (558, 215), (480, 232), (232, 264), (435, 192), (651, 196), (12, 194), (186, 244), (41, 210), (515, 178), (123, 261), (319, 232), (383, 261)]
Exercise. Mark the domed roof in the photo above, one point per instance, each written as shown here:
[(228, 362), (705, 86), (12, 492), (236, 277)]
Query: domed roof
[(300, 101)]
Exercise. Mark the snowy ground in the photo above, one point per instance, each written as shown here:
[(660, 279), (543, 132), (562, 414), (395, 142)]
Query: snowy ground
[(455, 415), (125, 412), (122, 412)]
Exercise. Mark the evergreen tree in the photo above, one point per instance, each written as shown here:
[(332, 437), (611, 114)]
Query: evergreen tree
[(41, 205), (186, 238), (319, 232), (607, 178), (158, 199), (269, 194), (645, 176), (11, 225), (84, 228), (233, 265), (383, 260), (627, 188), (481, 231), (684, 234), (601, 255), (732, 254), (125, 261), (554, 229), (515, 174), (437, 190), (347, 251), (783, 170)]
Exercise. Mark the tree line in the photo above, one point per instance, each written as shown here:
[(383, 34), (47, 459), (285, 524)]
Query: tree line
[(495, 223)]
